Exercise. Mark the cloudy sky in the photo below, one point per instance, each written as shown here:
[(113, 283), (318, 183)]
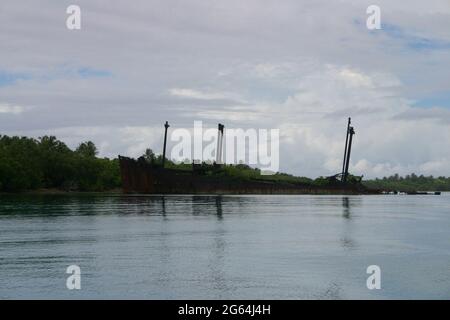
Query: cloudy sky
[(300, 66)]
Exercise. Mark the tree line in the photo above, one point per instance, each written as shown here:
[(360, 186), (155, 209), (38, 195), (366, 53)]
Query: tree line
[(46, 162), (411, 182)]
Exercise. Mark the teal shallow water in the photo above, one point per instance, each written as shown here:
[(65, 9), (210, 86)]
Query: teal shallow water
[(225, 247)]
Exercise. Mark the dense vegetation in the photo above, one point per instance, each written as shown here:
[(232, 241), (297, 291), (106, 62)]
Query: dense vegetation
[(410, 182), (30, 164), (47, 163), (240, 171)]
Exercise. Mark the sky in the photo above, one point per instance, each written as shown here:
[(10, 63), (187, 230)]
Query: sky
[(302, 67)]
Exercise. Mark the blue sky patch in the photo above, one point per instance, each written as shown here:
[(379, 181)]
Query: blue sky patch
[(440, 99), (86, 72), (413, 41), (9, 78)]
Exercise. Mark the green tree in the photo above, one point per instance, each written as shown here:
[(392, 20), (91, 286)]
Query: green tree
[(87, 149), (28, 164), (149, 155)]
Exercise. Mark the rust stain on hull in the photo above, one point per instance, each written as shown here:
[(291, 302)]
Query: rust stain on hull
[(138, 176)]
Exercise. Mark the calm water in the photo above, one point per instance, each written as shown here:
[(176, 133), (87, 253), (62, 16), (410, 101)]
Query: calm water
[(225, 247)]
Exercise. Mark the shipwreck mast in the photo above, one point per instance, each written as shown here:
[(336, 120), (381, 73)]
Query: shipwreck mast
[(346, 145), (348, 150), (219, 143), (166, 126)]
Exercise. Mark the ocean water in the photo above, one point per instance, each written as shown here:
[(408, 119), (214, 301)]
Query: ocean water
[(225, 247)]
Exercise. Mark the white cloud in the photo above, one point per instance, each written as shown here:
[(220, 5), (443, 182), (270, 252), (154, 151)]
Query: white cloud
[(195, 94), (354, 78), (12, 109), (271, 70)]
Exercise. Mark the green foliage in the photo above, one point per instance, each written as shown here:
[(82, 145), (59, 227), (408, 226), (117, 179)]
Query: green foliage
[(241, 172), (149, 156), (287, 178), (321, 182), (87, 149), (410, 182), (29, 164)]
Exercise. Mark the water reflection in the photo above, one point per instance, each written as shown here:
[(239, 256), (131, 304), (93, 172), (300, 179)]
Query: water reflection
[(346, 206), (217, 261), (207, 205), (347, 241), (219, 207), (163, 207)]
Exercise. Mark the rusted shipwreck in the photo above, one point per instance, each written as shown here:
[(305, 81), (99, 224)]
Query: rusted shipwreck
[(143, 177), (139, 176)]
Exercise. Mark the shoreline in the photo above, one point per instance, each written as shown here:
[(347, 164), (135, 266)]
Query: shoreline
[(62, 192), (119, 192)]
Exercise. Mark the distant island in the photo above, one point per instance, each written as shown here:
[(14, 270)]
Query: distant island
[(46, 163), (410, 182)]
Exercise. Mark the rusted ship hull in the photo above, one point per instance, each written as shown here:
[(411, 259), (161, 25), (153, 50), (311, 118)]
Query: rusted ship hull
[(142, 178)]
